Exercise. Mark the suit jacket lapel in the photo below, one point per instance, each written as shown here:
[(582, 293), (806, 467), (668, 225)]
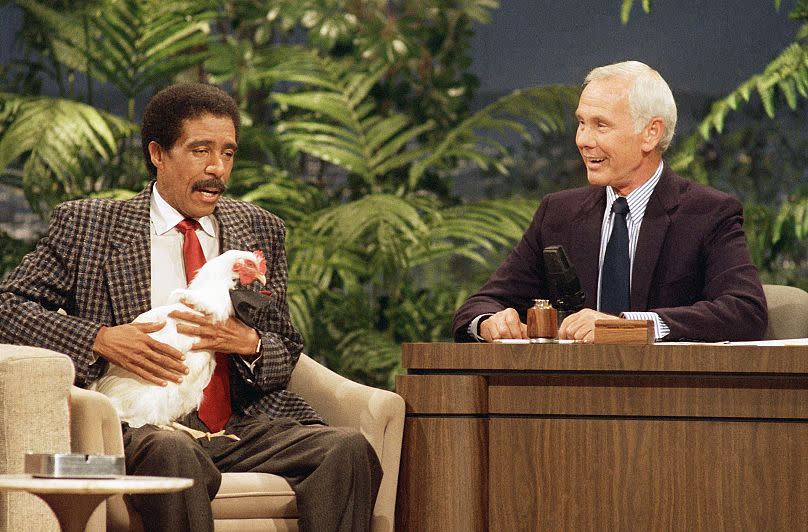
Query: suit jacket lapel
[(654, 227), (128, 270), (585, 242)]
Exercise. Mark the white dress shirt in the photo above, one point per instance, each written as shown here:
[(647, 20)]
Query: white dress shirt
[(167, 261)]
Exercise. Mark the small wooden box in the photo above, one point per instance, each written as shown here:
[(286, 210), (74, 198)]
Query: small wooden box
[(624, 331)]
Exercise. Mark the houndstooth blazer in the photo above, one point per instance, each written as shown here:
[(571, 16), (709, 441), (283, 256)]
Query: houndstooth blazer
[(95, 263)]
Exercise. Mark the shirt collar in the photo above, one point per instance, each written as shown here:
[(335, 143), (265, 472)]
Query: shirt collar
[(164, 217), (638, 198)]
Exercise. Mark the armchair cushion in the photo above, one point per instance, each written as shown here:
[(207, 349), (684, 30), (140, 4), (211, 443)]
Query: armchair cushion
[(254, 496)]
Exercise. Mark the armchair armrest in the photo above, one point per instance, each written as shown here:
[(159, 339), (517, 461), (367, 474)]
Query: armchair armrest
[(96, 429), (94, 424), (378, 414), (34, 388)]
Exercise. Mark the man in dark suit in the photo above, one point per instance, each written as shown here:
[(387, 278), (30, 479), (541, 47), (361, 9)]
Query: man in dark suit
[(104, 262), (646, 243)]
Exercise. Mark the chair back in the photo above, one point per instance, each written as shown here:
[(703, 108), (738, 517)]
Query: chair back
[(788, 312)]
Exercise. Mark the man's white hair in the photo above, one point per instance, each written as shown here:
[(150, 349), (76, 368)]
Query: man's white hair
[(649, 95)]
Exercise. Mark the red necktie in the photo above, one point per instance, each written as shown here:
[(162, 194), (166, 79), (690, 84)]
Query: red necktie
[(215, 408)]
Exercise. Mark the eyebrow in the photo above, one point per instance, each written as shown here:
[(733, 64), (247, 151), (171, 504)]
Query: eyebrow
[(208, 143), (596, 117)]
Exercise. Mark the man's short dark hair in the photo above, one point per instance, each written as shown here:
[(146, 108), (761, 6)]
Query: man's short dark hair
[(165, 113)]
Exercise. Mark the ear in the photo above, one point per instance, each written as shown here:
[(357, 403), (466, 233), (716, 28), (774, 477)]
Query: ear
[(156, 154), (652, 134)]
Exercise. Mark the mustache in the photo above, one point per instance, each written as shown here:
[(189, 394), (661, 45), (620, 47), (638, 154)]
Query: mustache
[(212, 183)]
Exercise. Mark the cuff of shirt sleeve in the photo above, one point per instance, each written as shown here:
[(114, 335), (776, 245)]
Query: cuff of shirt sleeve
[(474, 327), (661, 329)]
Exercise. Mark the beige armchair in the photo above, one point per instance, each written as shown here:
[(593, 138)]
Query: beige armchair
[(245, 502), (788, 312)]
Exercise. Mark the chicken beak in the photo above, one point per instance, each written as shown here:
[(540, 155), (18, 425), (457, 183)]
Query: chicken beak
[(261, 277)]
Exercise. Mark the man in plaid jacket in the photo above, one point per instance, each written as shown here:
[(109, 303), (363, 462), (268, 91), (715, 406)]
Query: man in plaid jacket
[(104, 262)]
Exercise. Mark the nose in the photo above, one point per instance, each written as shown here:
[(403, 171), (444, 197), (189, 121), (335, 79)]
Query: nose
[(215, 165), (583, 137)]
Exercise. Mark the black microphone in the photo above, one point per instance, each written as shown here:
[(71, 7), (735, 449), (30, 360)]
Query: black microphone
[(565, 288)]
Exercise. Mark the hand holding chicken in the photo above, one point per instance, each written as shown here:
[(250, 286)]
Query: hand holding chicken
[(198, 321)]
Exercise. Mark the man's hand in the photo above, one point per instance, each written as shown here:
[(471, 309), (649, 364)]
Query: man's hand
[(231, 336), (504, 324), (130, 347), (581, 325)]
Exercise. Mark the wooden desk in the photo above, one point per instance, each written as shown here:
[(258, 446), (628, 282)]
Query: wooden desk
[(603, 437)]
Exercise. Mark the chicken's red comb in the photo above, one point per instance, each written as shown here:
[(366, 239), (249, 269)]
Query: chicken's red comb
[(262, 262)]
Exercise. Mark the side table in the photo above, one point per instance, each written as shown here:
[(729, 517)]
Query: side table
[(73, 500)]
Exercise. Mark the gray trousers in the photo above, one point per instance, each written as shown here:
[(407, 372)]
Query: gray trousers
[(334, 472)]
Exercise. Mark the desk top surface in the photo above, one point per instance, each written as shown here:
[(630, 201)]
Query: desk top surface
[(662, 357), (112, 485)]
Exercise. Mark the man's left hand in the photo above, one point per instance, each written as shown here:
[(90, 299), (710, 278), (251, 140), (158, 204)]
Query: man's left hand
[(581, 325), (231, 336)]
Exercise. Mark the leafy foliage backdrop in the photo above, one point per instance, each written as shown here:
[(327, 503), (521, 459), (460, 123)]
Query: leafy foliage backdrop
[(356, 126)]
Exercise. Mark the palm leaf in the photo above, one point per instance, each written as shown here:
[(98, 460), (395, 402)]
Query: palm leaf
[(315, 269), (545, 108), (132, 44), (625, 9), (272, 189), (788, 73), (384, 225), (475, 231), (353, 135), (56, 138), (369, 356), (791, 222)]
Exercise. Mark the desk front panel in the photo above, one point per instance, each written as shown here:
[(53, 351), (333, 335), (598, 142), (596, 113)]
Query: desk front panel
[(636, 474)]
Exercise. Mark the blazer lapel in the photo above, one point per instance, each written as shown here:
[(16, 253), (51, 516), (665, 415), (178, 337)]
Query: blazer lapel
[(652, 236), (585, 242), (128, 270)]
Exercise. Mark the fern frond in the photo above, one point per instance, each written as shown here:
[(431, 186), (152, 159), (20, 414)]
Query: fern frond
[(788, 73)]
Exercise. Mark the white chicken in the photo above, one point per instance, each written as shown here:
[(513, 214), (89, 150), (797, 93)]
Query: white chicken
[(139, 402)]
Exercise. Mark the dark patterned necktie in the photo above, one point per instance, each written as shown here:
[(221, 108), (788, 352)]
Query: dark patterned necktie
[(215, 408), (615, 277)]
